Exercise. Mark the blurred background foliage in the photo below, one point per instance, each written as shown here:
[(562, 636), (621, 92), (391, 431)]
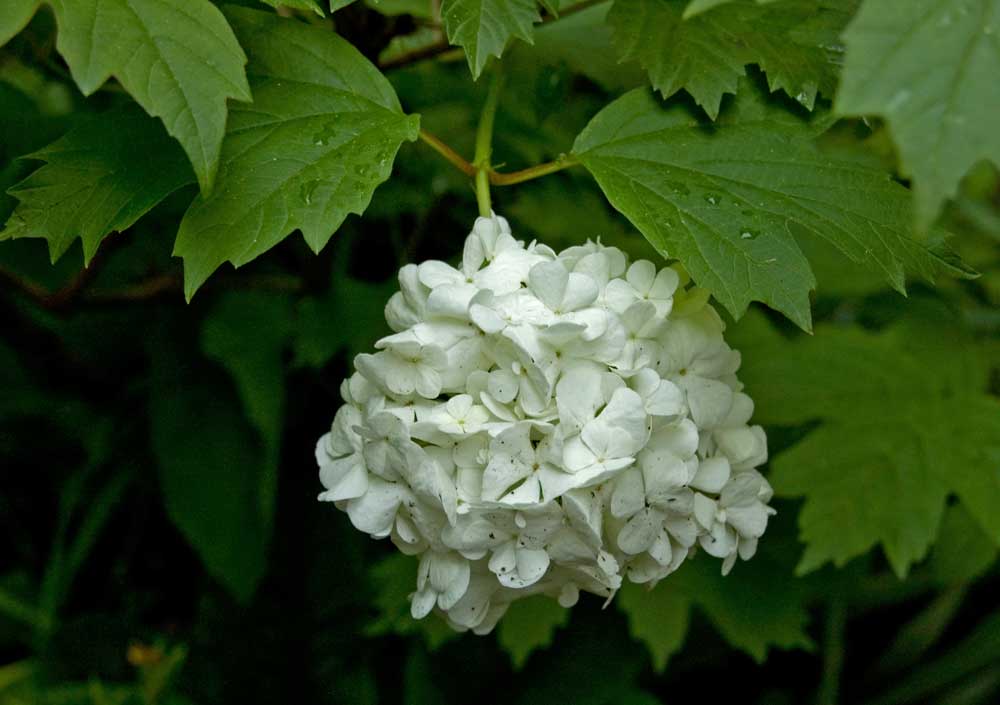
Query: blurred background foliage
[(161, 540)]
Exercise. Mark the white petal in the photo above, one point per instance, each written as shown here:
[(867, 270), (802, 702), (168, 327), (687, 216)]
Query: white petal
[(639, 316), (621, 429), (640, 531), (449, 575), (742, 489), (640, 275), (745, 447), (665, 284), (422, 603), (451, 300), (375, 510), (578, 397), (662, 550), (619, 295), (473, 254), (704, 510), (747, 548), (427, 381), (750, 521), (667, 400), (629, 495), (708, 399), (531, 564), (712, 475), (576, 455), (503, 385), (548, 281), (433, 273), (720, 543), (581, 291), (503, 561), (344, 478)]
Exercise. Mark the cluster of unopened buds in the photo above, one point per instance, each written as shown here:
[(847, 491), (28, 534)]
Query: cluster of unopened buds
[(546, 423)]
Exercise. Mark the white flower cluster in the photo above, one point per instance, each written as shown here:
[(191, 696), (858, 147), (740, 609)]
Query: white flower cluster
[(546, 423)]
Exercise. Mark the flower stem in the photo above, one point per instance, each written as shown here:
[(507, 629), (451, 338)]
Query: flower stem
[(484, 146)]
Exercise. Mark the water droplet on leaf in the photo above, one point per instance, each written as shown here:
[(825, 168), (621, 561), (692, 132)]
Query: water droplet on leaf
[(898, 100), (307, 190), (325, 135), (678, 188)]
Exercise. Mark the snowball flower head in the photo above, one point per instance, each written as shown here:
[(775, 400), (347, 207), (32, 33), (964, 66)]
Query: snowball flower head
[(546, 423)]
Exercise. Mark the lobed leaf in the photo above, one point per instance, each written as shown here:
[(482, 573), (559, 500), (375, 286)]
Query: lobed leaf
[(528, 625), (210, 468), (318, 139), (905, 424), (247, 333), (729, 200), (94, 181), (310, 5), (177, 58), (929, 68), (14, 15), (706, 52), (483, 27), (758, 607)]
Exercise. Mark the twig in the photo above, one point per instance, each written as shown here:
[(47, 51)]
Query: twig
[(448, 153), (515, 177), (154, 287), (61, 298), (496, 178)]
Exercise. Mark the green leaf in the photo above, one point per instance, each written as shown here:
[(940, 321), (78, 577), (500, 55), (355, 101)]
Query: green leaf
[(659, 618), (696, 7), (793, 41), (95, 181), (177, 58), (963, 550), (528, 625), (339, 4), (760, 605), (247, 333), (393, 580), (419, 9), (483, 27), (905, 424), (210, 467), (310, 5), (928, 67), (979, 650), (351, 316), (729, 201), (14, 16), (320, 136), (583, 41)]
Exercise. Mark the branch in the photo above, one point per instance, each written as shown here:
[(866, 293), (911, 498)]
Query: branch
[(496, 178), (156, 286), (448, 153), (54, 300), (515, 177)]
